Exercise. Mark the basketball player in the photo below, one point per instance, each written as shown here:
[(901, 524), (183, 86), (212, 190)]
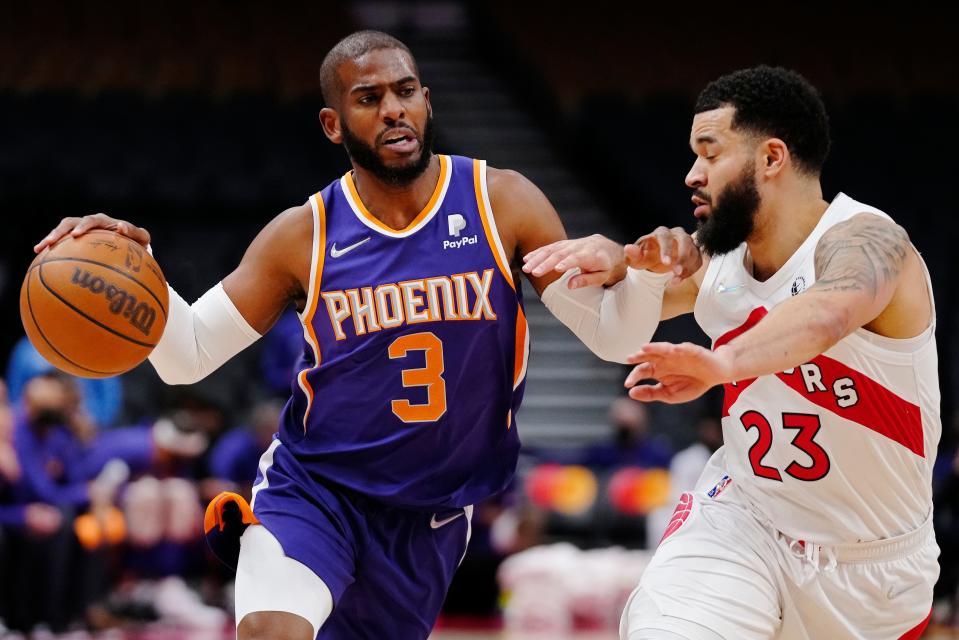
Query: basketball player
[(814, 520), (403, 412)]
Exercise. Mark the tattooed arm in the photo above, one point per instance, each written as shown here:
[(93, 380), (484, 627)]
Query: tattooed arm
[(858, 267), (867, 275)]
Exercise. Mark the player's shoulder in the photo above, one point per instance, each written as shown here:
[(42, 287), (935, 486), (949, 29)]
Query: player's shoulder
[(293, 222), (510, 192), (853, 219), (287, 239), (865, 226), (300, 214), (507, 181)]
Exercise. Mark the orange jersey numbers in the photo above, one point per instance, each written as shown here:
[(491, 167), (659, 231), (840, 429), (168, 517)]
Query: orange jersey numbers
[(430, 376)]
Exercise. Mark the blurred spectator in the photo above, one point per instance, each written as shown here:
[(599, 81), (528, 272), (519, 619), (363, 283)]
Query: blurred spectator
[(235, 456), (163, 513), (101, 398), (688, 464), (50, 453), (33, 519), (946, 520), (684, 472), (197, 419), (550, 590), (518, 528), (9, 472), (9, 465), (163, 505), (633, 444), (164, 519), (43, 558)]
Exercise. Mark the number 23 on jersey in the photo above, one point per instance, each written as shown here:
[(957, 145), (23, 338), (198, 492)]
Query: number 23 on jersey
[(806, 427)]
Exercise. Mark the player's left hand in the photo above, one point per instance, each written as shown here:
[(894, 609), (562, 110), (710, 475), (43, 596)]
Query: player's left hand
[(78, 226), (600, 260), (683, 371)]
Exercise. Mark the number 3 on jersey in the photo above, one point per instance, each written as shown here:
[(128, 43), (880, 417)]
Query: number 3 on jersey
[(430, 376)]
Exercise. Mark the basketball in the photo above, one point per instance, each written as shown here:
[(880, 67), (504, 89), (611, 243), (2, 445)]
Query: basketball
[(94, 306)]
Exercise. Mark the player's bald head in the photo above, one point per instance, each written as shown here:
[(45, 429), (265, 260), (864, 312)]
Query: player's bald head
[(352, 47)]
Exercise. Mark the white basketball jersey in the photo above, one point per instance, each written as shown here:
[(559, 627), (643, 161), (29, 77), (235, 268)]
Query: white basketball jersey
[(841, 448)]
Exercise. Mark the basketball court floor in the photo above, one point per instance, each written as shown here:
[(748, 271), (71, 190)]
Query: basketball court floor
[(449, 634), (503, 635)]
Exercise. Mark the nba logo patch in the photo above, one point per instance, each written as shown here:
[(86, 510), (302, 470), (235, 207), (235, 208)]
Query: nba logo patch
[(722, 484), (680, 515)]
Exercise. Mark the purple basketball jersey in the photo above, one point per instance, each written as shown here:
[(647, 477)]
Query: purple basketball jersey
[(415, 349)]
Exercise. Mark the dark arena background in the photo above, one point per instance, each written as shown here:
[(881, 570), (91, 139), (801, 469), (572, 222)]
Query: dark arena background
[(198, 121)]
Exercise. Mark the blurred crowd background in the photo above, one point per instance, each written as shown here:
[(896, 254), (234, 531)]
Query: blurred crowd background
[(198, 121)]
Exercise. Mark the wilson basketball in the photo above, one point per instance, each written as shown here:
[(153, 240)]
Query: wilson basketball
[(94, 306)]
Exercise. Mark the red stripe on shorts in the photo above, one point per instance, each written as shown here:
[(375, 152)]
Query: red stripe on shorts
[(916, 631)]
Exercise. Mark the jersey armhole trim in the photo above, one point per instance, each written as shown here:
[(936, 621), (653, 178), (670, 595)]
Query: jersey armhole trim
[(521, 349), (707, 287), (489, 223), (312, 297), (521, 353)]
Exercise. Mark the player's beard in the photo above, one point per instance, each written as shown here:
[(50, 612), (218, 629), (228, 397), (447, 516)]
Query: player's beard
[(399, 176), (733, 215)]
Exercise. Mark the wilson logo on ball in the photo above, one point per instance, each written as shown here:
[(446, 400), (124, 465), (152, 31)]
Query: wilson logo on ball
[(140, 314)]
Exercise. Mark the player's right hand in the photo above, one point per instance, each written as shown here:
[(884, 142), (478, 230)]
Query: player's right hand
[(666, 250), (78, 226), (683, 371)]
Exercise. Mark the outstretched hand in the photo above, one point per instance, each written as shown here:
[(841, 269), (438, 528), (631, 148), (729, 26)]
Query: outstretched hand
[(599, 259), (603, 262), (78, 226), (666, 250), (683, 371)]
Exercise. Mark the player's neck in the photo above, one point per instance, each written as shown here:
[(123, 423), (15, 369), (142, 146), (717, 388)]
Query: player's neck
[(396, 206), (783, 223)]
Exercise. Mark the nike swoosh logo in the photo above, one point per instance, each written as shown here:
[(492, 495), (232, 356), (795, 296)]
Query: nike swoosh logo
[(894, 593), (722, 288), (336, 253), (436, 524)]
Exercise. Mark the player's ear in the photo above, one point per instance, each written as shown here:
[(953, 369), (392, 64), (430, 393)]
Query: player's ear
[(775, 155), (330, 120), (426, 96)]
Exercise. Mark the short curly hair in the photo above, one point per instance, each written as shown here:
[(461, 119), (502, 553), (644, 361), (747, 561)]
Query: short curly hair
[(776, 102)]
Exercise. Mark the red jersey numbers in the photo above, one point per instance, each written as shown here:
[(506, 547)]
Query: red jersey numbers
[(813, 466), (756, 420)]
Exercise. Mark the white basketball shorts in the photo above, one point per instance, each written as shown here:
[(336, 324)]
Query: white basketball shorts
[(721, 572)]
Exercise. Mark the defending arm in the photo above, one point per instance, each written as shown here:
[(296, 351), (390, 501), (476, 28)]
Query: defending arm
[(613, 322)]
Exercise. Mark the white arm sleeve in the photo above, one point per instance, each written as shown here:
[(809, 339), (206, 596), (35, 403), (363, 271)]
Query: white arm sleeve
[(198, 339), (613, 322)]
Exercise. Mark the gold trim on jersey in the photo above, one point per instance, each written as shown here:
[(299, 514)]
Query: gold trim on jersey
[(420, 217)]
